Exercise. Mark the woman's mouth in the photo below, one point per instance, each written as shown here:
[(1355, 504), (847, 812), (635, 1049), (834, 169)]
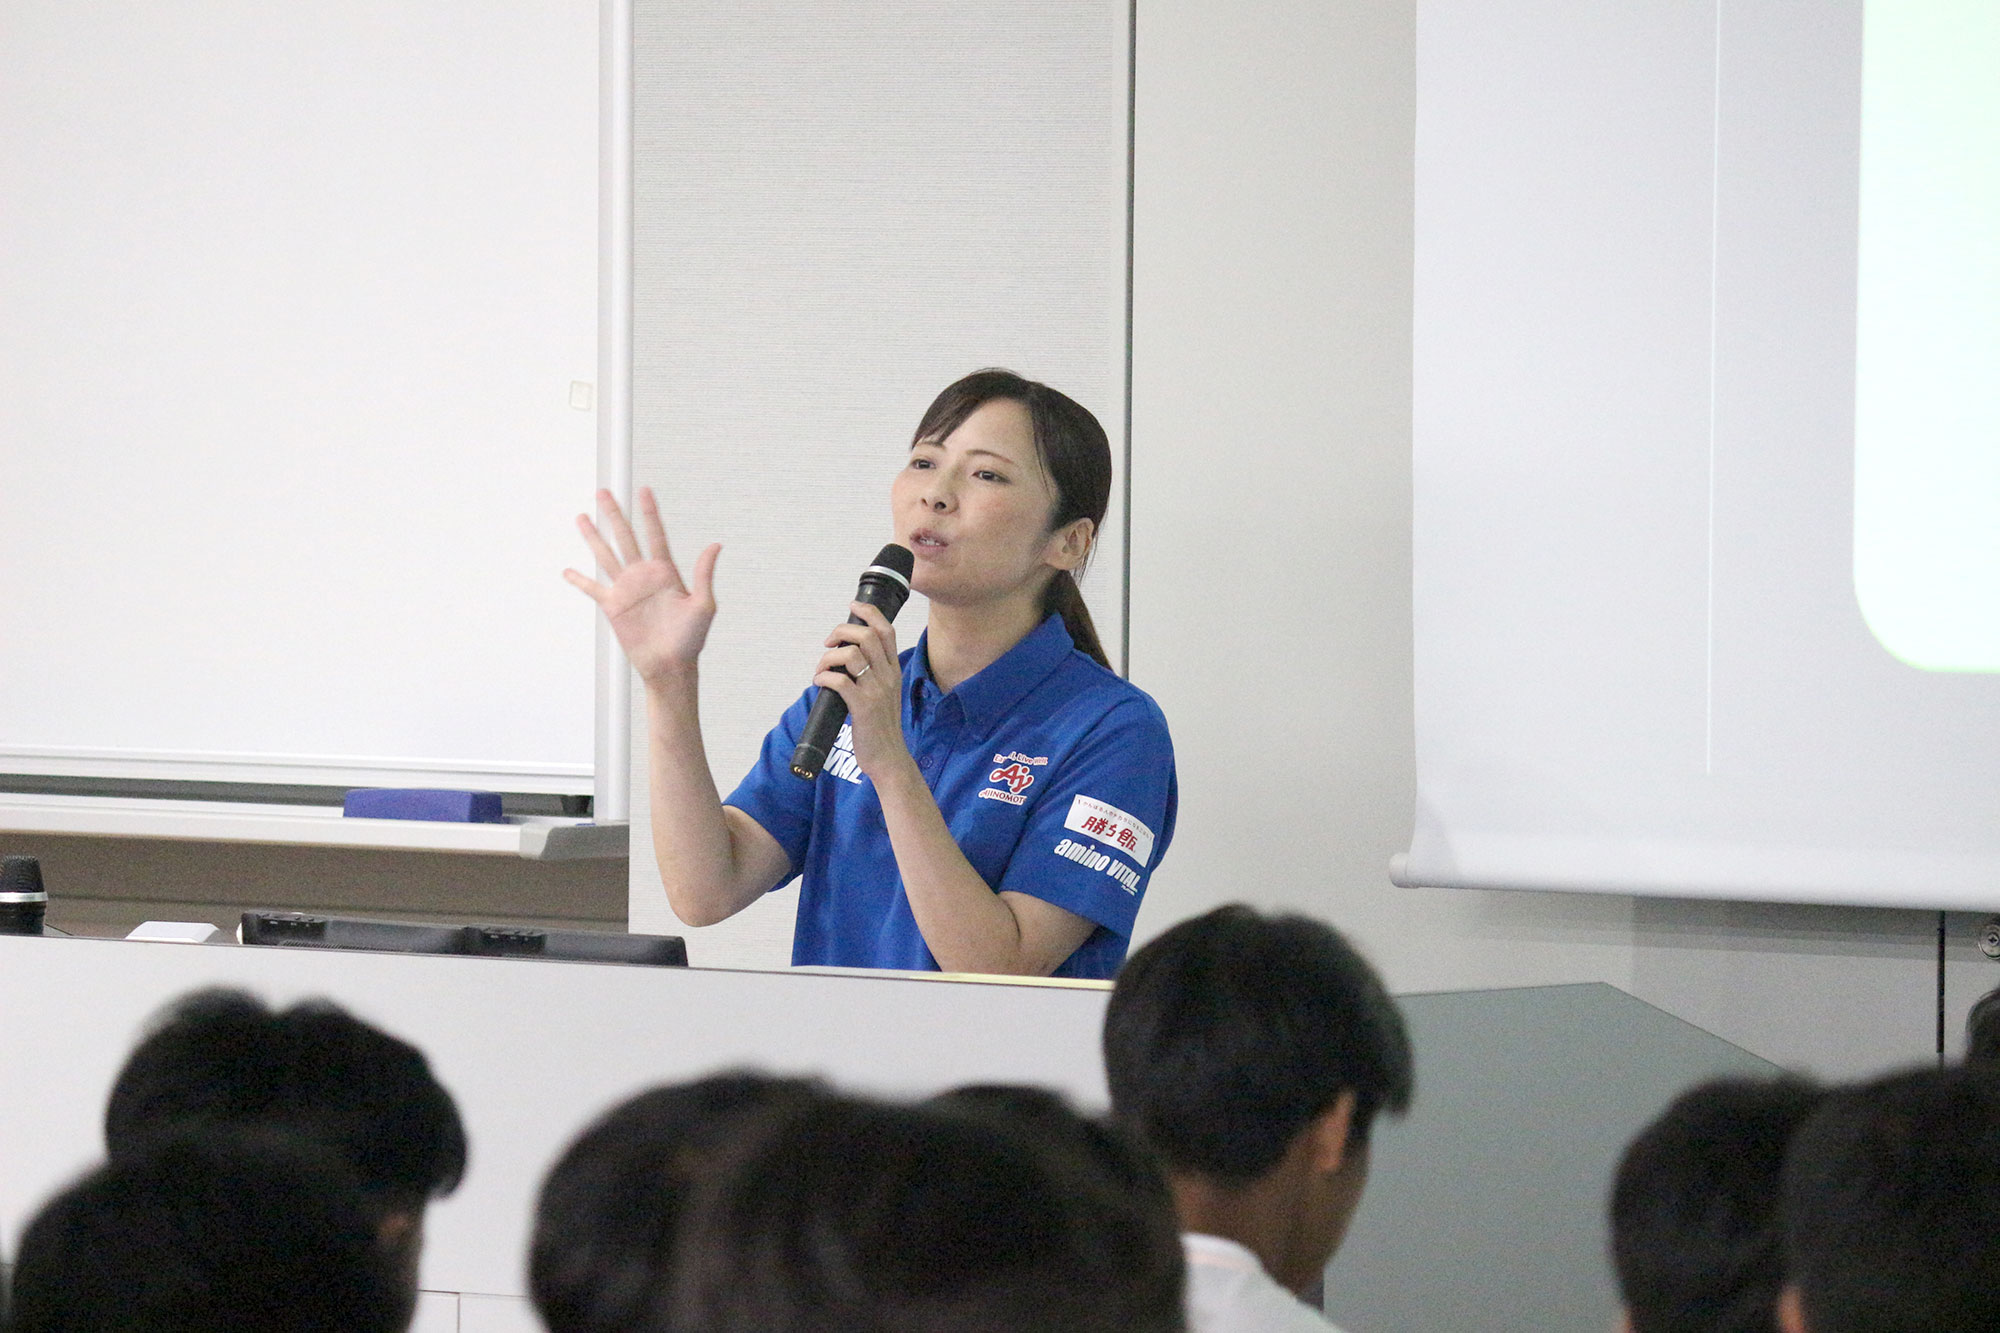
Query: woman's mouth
[(925, 542)]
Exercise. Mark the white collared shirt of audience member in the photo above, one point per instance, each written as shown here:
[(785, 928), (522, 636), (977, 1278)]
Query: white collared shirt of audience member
[(1228, 1291)]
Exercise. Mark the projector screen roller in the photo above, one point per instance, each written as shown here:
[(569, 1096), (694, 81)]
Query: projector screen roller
[(1707, 474)]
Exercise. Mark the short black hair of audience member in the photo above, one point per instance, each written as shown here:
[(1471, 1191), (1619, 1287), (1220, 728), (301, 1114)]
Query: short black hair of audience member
[(1695, 1234), (1892, 1208), (605, 1222), (213, 1231), (1125, 1207), (221, 1057), (1982, 1028), (1231, 1032), (856, 1217)]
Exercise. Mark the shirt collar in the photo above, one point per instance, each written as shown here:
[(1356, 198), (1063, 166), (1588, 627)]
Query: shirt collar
[(1201, 1247), (993, 691)]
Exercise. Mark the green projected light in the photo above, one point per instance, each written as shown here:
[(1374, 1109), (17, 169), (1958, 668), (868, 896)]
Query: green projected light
[(1927, 378)]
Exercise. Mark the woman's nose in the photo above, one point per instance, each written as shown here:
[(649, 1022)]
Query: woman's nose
[(938, 495)]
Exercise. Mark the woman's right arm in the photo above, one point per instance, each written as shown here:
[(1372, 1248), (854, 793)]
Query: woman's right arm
[(714, 860)]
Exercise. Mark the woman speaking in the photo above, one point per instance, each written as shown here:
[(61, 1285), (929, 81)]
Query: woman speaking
[(1008, 794)]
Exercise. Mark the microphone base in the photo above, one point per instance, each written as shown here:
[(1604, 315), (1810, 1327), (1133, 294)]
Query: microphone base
[(807, 761)]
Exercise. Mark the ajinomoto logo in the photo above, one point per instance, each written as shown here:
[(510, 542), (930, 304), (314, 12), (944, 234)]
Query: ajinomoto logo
[(1016, 773), (1018, 777)]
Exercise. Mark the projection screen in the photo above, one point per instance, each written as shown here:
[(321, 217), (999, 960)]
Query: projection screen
[(1707, 449)]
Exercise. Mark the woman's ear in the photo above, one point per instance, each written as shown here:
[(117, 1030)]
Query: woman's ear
[(1069, 545)]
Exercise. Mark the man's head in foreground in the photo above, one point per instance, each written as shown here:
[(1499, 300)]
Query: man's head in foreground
[(212, 1231), (601, 1257), (1892, 1208), (1252, 1055), (222, 1059), (1695, 1234), (850, 1216)]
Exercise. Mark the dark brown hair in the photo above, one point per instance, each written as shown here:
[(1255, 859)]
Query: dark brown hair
[(843, 1216), (1076, 456)]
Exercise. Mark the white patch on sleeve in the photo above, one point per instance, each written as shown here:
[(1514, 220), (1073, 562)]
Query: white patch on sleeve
[(1110, 826)]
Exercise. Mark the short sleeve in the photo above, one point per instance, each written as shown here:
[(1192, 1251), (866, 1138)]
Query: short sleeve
[(1104, 822), (773, 795)]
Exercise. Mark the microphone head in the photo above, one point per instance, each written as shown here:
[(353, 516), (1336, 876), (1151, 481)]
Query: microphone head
[(898, 558), (886, 583), (21, 878)]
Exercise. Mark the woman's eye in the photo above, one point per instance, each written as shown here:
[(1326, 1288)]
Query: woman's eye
[(921, 464), (988, 474)]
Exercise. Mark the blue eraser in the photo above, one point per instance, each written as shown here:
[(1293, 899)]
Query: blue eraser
[(450, 807)]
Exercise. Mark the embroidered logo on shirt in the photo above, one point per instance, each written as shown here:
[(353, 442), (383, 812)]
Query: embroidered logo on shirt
[(841, 761), (1015, 773), (1110, 826), (1018, 777)]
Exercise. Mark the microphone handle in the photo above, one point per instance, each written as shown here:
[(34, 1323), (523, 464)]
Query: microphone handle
[(829, 710)]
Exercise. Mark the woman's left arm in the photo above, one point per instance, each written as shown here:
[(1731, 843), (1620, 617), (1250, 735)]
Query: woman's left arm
[(968, 926)]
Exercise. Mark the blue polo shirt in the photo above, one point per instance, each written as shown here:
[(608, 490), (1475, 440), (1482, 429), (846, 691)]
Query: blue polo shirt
[(1055, 777)]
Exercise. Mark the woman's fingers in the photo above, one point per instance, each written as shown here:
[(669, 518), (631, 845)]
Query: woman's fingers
[(867, 640), (620, 530), (589, 587), (607, 559), (656, 531), (878, 625), (847, 658), (704, 567)]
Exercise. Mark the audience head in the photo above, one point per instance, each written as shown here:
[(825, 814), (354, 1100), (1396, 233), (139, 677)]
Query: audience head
[(213, 1231), (221, 1058), (1121, 1199), (1892, 1208), (1252, 1054), (1982, 1028), (1695, 1234), (605, 1223), (852, 1217)]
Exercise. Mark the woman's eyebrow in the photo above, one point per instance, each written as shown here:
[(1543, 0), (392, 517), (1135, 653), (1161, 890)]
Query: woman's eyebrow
[(1008, 459)]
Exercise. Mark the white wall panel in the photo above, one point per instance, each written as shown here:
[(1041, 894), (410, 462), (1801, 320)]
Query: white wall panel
[(1271, 487), (841, 209)]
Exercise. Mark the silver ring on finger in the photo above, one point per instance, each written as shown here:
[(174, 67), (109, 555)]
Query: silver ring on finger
[(864, 670)]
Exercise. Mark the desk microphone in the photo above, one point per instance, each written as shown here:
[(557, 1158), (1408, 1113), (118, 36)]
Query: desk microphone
[(885, 585), (23, 900)]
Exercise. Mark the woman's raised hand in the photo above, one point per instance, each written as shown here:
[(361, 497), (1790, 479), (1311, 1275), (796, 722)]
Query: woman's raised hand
[(661, 622)]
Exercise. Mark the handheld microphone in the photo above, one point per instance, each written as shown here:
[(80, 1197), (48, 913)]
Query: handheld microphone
[(885, 585)]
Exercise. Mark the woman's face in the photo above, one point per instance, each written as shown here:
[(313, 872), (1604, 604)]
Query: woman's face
[(975, 507)]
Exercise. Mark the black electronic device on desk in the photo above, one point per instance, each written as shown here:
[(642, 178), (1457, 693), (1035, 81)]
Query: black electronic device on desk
[(304, 930)]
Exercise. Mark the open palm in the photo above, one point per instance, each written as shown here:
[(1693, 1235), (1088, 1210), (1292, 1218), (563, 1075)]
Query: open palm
[(660, 620)]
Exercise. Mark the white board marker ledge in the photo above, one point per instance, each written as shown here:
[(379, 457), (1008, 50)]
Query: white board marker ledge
[(532, 837)]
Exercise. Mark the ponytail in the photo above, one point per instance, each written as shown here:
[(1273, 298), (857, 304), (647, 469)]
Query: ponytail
[(1064, 598)]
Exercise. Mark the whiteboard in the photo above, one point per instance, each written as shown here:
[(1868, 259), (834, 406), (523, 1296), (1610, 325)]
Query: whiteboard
[(301, 380)]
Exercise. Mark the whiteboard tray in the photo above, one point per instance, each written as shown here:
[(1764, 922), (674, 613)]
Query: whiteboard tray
[(534, 837)]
